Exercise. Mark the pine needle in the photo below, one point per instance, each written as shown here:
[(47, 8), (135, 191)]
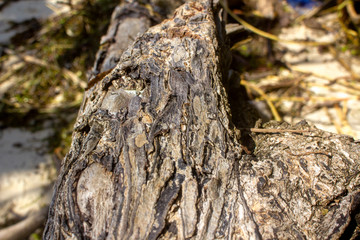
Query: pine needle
[(263, 94)]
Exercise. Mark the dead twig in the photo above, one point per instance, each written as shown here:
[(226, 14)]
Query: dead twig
[(343, 63), (265, 130), (65, 72), (262, 94), (24, 228)]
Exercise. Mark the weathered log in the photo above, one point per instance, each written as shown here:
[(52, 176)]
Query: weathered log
[(156, 156)]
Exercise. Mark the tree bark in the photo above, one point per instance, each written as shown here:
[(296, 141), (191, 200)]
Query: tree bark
[(155, 154)]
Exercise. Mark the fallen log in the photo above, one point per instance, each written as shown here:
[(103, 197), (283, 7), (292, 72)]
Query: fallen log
[(155, 154)]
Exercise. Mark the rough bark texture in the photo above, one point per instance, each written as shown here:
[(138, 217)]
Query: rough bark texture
[(156, 156)]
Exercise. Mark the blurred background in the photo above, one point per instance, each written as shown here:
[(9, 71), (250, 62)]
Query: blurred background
[(46, 50), (291, 60)]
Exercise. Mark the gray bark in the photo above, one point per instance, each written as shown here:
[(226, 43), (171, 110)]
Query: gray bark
[(155, 154)]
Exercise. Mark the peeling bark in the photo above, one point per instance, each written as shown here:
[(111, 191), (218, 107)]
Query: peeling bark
[(156, 156)]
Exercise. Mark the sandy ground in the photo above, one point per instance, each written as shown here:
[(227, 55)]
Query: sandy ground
[(26, 169), (18, 12), (26, 172)]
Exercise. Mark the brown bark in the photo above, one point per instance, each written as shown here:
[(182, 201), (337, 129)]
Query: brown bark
[(156, 156)]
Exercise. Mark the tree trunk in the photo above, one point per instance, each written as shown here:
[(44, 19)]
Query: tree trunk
[(156, 156)]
